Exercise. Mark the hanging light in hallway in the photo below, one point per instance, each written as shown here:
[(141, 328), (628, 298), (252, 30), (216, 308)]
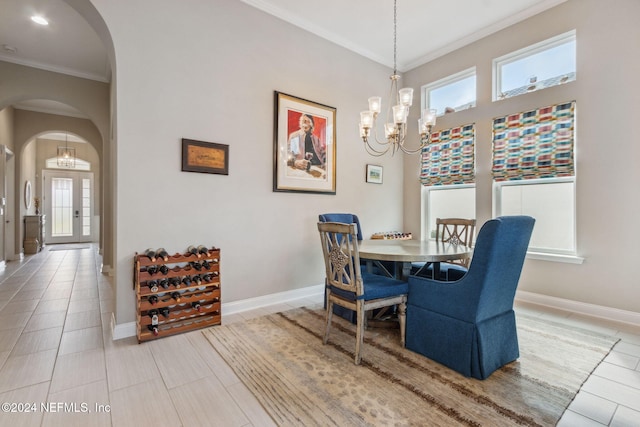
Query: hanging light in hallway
[(66, 155)]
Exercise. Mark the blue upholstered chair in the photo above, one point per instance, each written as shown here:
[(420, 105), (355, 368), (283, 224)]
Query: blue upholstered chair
[(345, 218), (469, 325), (348, 287)]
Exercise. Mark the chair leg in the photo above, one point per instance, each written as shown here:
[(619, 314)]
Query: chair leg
[(360, 315), (402, 317), (328, 326)]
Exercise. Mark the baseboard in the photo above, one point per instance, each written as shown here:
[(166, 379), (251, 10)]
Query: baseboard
[(122, 330), (125, 330), (586, 309), (106, 269), (266, 300)]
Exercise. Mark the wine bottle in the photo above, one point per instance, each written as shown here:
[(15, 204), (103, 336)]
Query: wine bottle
[(153, 314), (154, 329), (196, 265), (175, 296), (196, 305), (163, 269), (151, 254), (186, 280), (164, 283), (165, 312), (153, 285), (197, 279), (192, 250), (203, 250), (152, 269), (206, 264), (162, 253), (153, 299), (175, 281), (208, 278)]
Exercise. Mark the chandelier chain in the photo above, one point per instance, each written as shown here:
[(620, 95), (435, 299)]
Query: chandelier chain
[(395, 37), (395, 126)]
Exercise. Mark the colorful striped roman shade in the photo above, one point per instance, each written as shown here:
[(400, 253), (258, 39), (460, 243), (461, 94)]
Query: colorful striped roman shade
[(534, 144), (449, 158)]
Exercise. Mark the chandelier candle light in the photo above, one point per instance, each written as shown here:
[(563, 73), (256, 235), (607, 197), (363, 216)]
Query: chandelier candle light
[(66, 155), (395, 128)]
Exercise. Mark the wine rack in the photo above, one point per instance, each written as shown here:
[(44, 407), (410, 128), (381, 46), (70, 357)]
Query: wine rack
[(178, 306)]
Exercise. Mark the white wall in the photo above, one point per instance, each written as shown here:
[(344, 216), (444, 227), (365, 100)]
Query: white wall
[(207, 70), (607, 147)]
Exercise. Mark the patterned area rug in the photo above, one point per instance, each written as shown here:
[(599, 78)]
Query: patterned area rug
[(301, 382)]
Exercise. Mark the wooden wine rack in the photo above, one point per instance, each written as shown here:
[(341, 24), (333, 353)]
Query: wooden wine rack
[(182, 316)]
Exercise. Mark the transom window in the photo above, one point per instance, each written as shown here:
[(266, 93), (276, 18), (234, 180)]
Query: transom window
[(545, 64), (453, 93)]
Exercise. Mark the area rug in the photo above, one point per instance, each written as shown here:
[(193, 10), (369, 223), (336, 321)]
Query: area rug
[(300, 382)]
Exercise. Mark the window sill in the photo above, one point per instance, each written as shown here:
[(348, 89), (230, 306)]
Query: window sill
[(569, 259)]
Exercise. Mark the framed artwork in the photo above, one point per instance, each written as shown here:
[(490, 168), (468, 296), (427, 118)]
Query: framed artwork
[(205, 157), (304, 149), (374, 174)]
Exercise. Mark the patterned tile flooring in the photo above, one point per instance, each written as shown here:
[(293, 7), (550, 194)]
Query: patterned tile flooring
[(60, 367)]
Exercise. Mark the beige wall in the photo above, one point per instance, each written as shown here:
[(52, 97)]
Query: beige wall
[(6, 127), (214, 80), (607, 149)]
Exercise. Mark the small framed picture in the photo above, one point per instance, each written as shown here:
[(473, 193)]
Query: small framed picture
[(374, 174), (205, 157)]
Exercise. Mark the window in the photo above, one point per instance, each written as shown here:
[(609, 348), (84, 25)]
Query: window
[(448, 176), (545, 64), (552, 203), (453, 93), (533, 172), (449, 201)]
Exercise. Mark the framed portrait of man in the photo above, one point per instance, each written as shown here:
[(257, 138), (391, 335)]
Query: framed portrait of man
[(304, 155)]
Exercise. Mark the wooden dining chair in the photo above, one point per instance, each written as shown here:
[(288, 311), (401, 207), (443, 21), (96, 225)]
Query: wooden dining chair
[(347, 286), (457, 231)]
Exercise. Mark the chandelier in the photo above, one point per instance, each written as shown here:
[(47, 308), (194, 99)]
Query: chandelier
[(66, 155), (395, 126)]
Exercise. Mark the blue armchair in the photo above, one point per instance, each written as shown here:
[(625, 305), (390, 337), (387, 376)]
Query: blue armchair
[(469, 325)]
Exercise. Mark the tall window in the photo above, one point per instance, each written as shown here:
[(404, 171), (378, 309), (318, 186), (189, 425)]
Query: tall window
[(453, 93), (533, 172), (448, 176), (545, 64)]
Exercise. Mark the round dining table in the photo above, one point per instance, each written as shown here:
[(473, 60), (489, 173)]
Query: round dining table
[(405, 252)]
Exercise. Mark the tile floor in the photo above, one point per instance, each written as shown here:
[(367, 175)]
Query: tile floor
[(60, 367)]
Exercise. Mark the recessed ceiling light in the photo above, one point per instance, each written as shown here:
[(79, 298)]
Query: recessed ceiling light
[(39, 20)]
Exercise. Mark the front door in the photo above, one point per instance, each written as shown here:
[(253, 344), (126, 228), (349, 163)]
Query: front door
[(68, 205)]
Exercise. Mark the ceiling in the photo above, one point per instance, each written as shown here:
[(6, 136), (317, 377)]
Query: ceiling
[(425, 30)]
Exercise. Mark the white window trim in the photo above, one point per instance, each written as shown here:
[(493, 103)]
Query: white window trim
[(522, 53), (570, 257), (425, 89)]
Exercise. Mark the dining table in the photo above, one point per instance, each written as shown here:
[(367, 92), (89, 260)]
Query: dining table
[(406, 252)]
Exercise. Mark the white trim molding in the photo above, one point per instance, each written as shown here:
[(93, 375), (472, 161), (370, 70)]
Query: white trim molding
[(578, 307), (126, 330)]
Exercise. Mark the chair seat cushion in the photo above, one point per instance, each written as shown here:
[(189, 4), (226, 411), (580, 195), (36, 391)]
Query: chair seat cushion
[(375, 286)]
